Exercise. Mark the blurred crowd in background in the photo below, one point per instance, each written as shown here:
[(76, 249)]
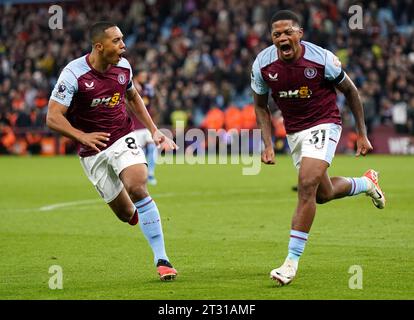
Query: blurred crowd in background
[(198, 55)]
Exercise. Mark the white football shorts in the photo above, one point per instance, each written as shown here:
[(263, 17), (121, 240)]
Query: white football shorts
[(144, 137), (104, 168), (318, 142)]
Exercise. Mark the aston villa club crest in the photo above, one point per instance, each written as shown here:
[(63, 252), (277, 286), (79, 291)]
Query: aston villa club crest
[(121, 78), (310, 72)]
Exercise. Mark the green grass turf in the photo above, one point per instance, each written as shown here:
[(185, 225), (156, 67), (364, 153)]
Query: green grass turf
[(224, 233)]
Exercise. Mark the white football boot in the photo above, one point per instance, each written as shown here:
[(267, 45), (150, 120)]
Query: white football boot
[(286, 273), (374, 190)]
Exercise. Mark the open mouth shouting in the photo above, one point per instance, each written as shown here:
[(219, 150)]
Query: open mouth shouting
[(120, 55), (286, 50)]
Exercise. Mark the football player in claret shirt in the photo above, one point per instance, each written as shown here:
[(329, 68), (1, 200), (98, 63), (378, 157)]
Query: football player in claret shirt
[(302, 78), (88, 105)]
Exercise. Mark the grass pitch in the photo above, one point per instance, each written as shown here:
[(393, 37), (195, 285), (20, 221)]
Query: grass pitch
[(224, 232)]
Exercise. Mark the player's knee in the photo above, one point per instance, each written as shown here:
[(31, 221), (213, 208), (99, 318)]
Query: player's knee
[(307, 188), (138, 192)]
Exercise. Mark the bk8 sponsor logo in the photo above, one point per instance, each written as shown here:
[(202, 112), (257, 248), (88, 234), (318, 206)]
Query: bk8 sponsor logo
[(109, 102), (302, 92)]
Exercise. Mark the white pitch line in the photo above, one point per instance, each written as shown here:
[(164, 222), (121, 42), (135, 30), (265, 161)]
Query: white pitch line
[(68, 204), (61, 205), (91, 201)]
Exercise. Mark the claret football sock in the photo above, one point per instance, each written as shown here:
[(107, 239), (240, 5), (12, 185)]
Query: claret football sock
[(297, 244), (134, 219), (150, 223), (358, 185)]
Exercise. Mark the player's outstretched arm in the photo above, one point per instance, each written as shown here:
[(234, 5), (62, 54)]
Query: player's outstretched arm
[(137, 106), (264, 122), (57, 121), (347, 87)]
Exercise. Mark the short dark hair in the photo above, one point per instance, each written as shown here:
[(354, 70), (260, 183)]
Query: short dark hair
[(98, 30), (285, 15)]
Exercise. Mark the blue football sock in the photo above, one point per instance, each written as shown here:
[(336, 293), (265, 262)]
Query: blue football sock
[(358, 185), (297, 244), (150, 223), (151, 154)]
